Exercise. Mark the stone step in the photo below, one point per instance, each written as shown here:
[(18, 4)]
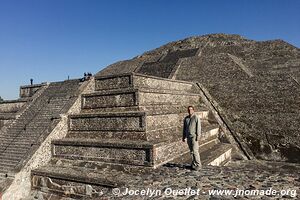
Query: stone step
[(147, 153), (12, 155), (8, 162), (76, 179), (39, 122), (6, 178), (204, 145), (21, 139), (18, 126), (126, 121), (11, 158), (12, 150), (169, 133), (129, 121), (140, 81), (137, 97), (158, 109), (15, 154), (33, 131), (25, 130), (3, 172), (126, 152), (26, 136), (126, 135), (18, 142), (98, 165), (216, 155), (17, 145), (76, 182), (209, 130), (6, 165), (6, 168)]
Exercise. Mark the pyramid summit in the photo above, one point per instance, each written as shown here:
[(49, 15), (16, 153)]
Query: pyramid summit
[(122, 127)]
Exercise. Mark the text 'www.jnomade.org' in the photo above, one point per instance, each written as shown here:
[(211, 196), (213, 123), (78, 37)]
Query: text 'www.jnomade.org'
[(197, 192)]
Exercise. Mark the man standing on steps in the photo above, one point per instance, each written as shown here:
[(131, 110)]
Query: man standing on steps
[(192, 132)]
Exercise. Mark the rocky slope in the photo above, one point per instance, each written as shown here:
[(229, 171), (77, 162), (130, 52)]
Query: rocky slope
[(254, 86)]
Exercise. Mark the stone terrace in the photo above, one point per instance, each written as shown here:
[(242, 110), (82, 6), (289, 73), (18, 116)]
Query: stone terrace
[(129, 126), (238, 175)]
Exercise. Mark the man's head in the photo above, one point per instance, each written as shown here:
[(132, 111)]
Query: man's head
[(191, 110)]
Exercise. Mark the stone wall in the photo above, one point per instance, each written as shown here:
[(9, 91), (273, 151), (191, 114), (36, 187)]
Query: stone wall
[(139, 81), (7, 121), (125, 155), (11, 106), (30, 90), (21, 185)]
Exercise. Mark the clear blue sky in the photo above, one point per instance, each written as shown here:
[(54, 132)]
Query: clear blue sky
[(47, 40)]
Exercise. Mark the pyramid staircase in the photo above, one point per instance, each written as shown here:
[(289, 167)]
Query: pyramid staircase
[(10, 110), (23, 137), (130, 124)]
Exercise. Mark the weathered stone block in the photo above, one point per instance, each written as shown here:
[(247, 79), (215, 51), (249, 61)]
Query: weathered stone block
[(140, 81), (134, 97), (155, 97), (109, 122), (11, 106), (110, 99), (109, 151), (133, 156), (113, 82), (30, 90), (131, 121)]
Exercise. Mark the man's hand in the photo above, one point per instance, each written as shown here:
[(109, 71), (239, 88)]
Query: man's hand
[(183, 139)]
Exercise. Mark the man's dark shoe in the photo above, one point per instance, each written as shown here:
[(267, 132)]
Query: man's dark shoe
[(196, 168)]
